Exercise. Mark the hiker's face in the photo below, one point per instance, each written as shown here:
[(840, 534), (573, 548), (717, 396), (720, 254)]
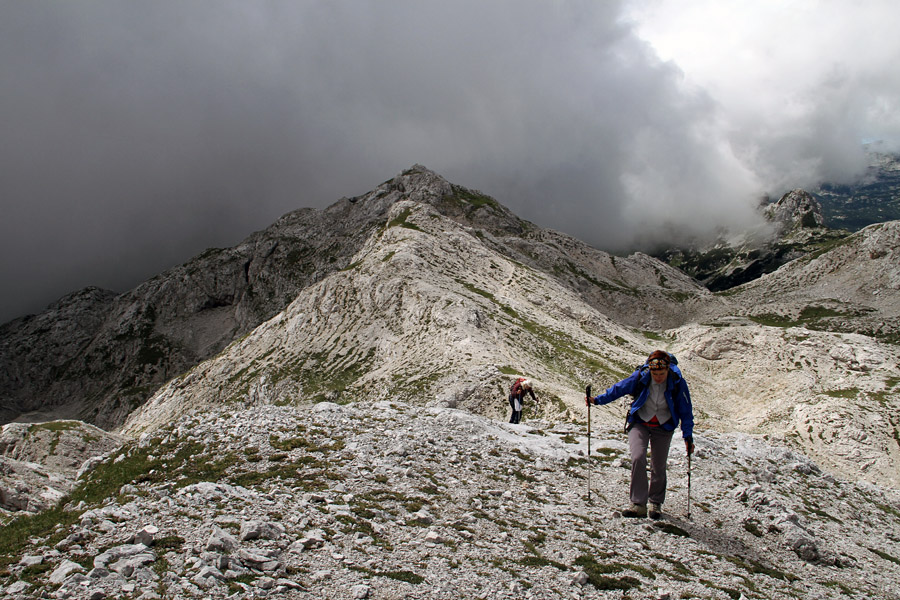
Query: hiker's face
[(659, 374)]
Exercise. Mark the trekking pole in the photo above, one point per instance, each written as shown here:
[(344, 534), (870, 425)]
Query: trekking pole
[(689, 486), (587, 395)]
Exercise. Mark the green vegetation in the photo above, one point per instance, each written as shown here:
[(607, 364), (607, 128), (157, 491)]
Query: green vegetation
[(400, 220), (846, 591), (886, 556), (598, 574), (752, 566), (606, 286), (605, 455), (471, 202), (753, 527), (323, 376), (652, 335), (105, 481), (826, 318), (406, 576), (476, 290), (671, 528), (307, 444), (54, 426)]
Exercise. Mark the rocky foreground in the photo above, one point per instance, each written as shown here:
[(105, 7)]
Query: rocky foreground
[(394, 501)]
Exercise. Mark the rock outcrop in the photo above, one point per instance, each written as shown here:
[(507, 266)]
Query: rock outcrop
[(797, 230), (795, 210), (40, 463)]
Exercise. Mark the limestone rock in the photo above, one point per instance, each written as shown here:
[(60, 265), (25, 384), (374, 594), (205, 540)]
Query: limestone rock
[(766, 520), (795, 210)]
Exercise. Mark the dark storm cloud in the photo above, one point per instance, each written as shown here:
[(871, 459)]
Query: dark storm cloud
[(137, 134)]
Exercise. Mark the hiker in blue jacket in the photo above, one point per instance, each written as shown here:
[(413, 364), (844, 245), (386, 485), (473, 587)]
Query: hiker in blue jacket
[(661, 402)]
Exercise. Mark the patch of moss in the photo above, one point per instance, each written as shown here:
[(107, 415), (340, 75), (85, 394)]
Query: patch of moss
[(598, 574), (54, 426), (400, 220), (671, 528)]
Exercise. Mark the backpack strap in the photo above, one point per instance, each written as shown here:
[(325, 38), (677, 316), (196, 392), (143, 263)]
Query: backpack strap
[(634, 396)]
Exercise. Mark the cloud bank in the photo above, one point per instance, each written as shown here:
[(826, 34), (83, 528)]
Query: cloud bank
[(138, 134)]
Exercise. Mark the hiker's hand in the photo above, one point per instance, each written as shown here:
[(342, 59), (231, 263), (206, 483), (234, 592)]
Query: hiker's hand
[(689, 445), (587, 401)]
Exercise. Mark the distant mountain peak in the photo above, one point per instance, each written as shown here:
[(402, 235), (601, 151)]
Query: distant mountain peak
[(796, 209)]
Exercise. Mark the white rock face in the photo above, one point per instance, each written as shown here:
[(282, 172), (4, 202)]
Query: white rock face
[(796, 209), (829, 394), (95, 355), (427, 308), (40, 463)]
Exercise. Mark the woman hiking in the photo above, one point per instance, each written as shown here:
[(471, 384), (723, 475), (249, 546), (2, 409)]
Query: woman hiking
[(661, 402)]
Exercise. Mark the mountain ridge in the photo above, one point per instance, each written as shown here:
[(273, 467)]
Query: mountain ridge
[(134, 342)]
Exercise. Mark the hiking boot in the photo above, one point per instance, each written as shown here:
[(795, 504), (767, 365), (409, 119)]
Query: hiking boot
[(655, 511), (635, 511)]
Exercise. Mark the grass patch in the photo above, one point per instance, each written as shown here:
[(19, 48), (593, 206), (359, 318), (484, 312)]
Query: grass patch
[(671, 528), (753, 527), (598, 574), (133, 465), (400, 221), (34, 573), (886, 556), (758, 568), (54, 426), (405, 576), (540, 561), (846, 591), (169, 542)]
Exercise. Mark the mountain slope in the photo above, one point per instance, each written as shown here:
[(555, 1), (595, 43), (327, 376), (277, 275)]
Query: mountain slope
[(96, 356), (389, 500), (852, 286), (427, 311), (430, 313), (128, 345), (808, 352), (354, 443)]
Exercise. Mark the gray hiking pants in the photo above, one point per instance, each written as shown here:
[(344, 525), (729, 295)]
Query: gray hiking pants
[(659, 441)]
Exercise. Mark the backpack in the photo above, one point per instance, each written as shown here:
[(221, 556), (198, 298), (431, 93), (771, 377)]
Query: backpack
[(514, 388), (638, 389)]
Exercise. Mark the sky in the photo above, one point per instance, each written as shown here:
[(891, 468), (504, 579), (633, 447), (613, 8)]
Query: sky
[(138, 134)]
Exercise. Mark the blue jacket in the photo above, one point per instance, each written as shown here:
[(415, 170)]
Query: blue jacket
[(678, 397)]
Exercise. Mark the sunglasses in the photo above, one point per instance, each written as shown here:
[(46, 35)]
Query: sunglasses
[(657, 364)]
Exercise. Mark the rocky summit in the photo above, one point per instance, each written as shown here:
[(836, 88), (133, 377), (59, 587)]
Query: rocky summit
[(320, 412)]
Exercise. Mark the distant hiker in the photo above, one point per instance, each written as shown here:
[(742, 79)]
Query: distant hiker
[(661, 401), (517, 391)]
